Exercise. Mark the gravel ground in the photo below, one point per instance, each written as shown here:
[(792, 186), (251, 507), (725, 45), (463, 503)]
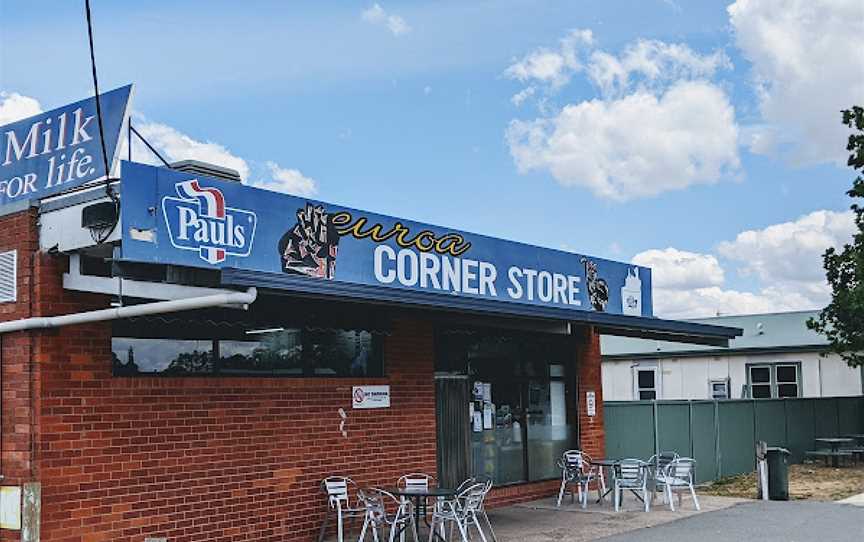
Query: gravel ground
[(806, 482)]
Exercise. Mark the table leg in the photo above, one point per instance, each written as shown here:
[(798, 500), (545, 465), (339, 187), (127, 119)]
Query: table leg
[(835, 461)]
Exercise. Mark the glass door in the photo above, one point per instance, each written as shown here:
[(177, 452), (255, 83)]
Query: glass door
[(548, 433), (498, 424)]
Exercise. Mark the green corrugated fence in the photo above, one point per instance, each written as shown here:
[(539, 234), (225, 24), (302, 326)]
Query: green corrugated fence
[(722, 435)]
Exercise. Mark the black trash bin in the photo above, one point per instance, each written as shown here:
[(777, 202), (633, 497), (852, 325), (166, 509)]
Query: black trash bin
[(778, 474)]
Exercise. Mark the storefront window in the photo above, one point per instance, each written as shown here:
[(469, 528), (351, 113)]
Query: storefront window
[(158, 347)]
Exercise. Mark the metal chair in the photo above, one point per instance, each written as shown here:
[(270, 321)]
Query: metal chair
[(657, 464), (415, 480), (337, 489), (576, 469), (632, 475), (376, 502), (463, 510), (482, 510), (678, 477)]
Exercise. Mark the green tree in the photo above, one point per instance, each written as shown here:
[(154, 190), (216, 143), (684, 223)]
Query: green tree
[(842, 321)]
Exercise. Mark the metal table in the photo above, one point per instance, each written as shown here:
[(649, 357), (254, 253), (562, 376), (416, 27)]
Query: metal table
[(612, 466), (834, 443), (419, 497)]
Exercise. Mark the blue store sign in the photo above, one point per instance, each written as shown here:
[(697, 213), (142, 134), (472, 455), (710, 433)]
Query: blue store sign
[(60, 149), (172, 217)]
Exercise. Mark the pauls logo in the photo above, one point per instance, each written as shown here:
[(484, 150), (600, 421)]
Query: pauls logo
[(199, 220)]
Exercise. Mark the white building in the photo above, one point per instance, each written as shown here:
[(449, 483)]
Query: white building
[(777, 356)]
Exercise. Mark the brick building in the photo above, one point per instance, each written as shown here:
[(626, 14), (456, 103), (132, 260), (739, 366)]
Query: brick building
[(144, 417)]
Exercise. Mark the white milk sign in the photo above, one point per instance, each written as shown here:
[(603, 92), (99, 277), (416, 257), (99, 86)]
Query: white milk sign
[(370, 397)]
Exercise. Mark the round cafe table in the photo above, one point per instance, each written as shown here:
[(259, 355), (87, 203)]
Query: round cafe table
[(419, 496)]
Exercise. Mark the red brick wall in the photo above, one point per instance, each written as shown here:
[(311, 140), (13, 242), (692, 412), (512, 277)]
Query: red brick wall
[(592, 436), (19, 423), (217, 458)]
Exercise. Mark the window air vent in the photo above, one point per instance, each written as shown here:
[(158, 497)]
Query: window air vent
[(8, 276)]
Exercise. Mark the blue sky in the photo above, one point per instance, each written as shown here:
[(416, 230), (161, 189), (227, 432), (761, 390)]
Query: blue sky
[(408, 109)]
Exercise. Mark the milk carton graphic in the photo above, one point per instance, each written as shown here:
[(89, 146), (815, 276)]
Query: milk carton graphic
[(631, 293)]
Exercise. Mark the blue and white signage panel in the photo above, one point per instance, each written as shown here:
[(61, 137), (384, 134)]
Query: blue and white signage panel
[(60, 149), (172, 217)]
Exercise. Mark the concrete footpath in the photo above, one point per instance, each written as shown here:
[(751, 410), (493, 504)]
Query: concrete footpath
[(793, 521), (857, 500)]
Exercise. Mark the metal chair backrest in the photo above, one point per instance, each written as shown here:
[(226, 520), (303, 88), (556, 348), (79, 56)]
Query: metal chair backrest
[(573, 459), (471, 498), (682, 469), (415, 480), (336, 488), (376, 500), (632, 470)]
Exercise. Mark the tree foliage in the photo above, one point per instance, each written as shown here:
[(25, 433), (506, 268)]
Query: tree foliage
[(842, 321)]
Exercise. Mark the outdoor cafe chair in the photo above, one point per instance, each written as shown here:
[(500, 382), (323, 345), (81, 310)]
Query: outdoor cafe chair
[(678, 477), (338, 490), (576, 469), (414, 480), (481, 513), (632, 476), (463, 510), (376, 503)]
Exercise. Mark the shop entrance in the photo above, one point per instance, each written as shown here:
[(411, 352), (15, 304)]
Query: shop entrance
[(518, 414)]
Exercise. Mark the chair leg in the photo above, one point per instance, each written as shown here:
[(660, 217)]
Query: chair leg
[(695, 499), (561, 492), (363, 530), (669, 496), (616, 497), (489, 524), (339, 531), (375, 533), (324, 525), (645, 498), (479, 529)]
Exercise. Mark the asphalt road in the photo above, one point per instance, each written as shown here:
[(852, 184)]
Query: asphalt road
[(794, 521)]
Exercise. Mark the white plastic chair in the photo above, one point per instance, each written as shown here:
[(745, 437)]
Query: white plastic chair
[(576, 469), (376, 501), (678, 477), (337, 489), (463, 510), (632, 475)]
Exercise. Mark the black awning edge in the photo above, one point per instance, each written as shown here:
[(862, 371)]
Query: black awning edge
[(609, 324)]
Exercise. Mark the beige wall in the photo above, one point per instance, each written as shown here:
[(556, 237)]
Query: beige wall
[(688, 378)]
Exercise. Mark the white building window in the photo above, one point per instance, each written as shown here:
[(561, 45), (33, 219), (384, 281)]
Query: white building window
[(774, 380), (645, 384), (719, 389)]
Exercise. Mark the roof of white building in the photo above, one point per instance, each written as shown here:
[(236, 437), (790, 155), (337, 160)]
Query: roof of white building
[(782, 331)]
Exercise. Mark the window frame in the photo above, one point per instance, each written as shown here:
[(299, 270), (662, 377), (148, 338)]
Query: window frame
[(637, 389), (726, 387), (773, 384)]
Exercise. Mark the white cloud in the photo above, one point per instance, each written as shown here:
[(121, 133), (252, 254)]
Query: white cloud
[(522, 95), (701, 302), (791, 251), (289, 181), (394, 23), (175, 145), (786, 260), (552, 66), (673, 268), (659, 123), (14, 107), (808, 64), (636, 146), (651, 63)]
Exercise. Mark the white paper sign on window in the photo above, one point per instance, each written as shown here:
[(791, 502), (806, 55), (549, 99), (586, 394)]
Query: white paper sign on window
[(591, 403), (370, 397)]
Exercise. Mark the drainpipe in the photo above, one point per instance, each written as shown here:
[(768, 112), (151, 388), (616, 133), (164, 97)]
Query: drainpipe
[(241, 299)]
